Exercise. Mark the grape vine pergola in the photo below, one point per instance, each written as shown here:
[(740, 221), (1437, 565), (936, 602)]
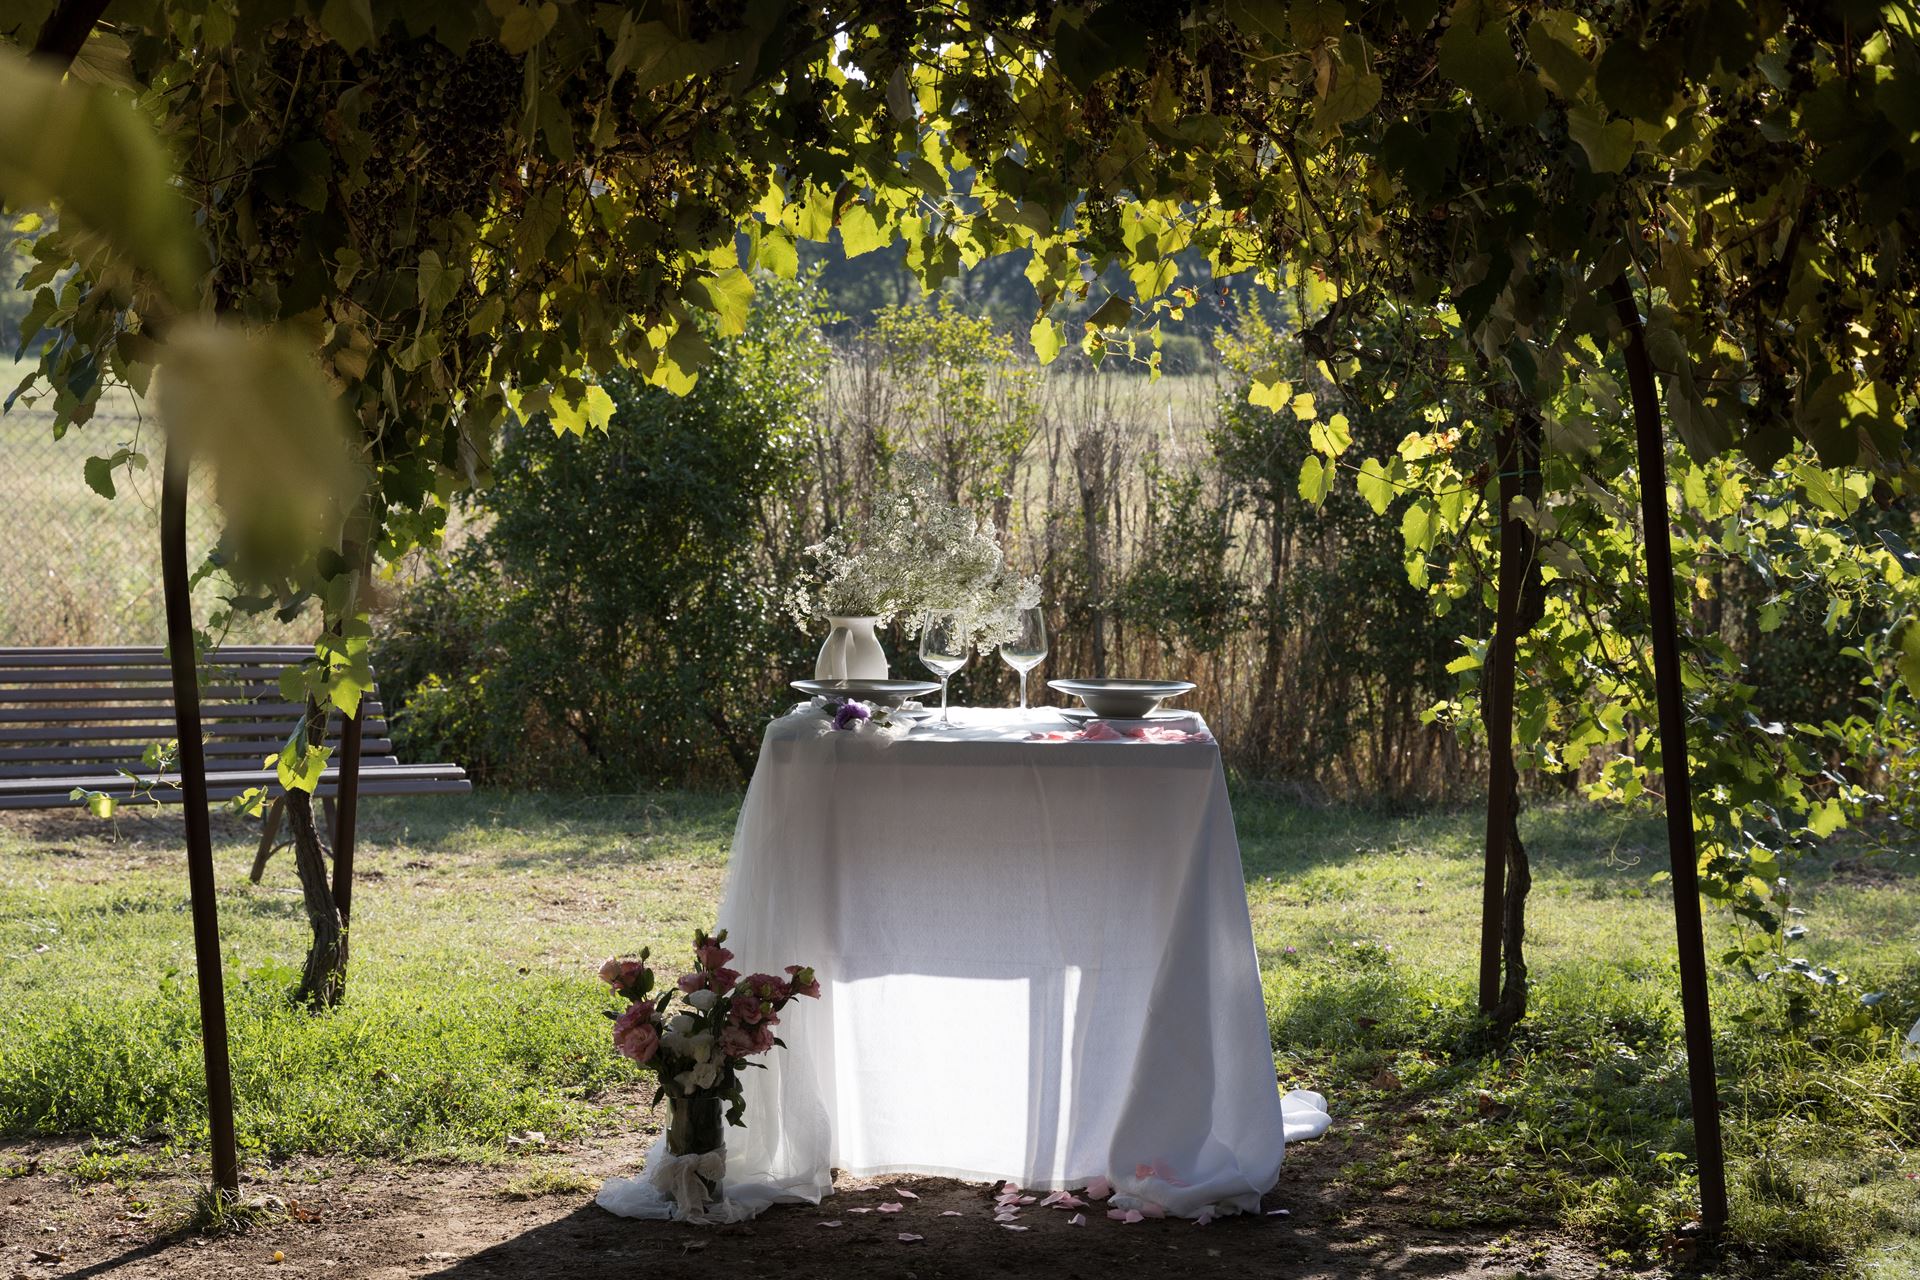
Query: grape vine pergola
[(455, 211)]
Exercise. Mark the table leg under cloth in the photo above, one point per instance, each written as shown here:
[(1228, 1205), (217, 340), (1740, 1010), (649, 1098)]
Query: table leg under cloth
[(1036, 964)]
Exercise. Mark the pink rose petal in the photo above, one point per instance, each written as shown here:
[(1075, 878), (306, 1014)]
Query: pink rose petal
[(1077, 1220), (905, 1194), (892, 1206), (1029, 1199), (952, 1213), (1009, 1187), (1279, 1213), (907, 1237), (1068, 1200), (1006, 1215), (1143, 1171), (862, 1209), (1099, 1189), (834, 1223), (1008, 1226), (1126, 1215), (1206, 1216), (1149, 1209)]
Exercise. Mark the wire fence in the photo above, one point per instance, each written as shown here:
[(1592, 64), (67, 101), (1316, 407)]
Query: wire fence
[(77, 568)]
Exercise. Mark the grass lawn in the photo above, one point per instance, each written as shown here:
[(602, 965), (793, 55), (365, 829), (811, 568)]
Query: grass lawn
[(472, 1021)]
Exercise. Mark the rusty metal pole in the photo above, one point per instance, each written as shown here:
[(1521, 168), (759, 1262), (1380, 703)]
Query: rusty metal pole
[(1695, 1011), (193, 784)]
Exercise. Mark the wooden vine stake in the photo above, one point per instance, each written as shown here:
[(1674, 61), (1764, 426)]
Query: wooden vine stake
[(1684, 857), (193, 784)]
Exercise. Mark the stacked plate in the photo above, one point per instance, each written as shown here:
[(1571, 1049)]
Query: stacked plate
[(1120, 699), (883, 693)]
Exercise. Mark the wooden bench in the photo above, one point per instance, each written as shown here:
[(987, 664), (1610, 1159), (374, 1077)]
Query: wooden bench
[(75, 718)]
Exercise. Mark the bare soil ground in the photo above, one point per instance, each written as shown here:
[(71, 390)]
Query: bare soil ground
[(387, 1221)]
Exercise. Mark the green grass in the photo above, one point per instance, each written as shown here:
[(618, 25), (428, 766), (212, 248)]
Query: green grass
[(472, 1014)]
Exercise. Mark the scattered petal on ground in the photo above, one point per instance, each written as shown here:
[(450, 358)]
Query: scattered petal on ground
[(952, 1213), (1008, 1226), (1149, 1209), (907, 1237), (862, 1209), (1029, 1199), (1279, 1213), (892, 1206), (834, 1223), (1077, 1220), (1099, 1189), (1006, 1216), (1126, 1215), (904, 1194)]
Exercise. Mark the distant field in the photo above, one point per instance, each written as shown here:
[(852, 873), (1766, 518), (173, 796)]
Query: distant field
[(76, 568)]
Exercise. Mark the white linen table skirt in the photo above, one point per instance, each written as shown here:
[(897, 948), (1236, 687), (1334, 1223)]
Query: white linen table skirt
[(1035, 958)]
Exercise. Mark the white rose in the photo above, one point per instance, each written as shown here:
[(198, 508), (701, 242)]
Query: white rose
[(681, 1024), (700, 1047), (703, 1000)]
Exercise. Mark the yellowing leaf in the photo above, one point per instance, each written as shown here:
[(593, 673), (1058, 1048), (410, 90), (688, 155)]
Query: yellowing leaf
[(1048, 339), (1269, 391), (861, 232), (1302, 406), (1316, 479), (1375, 486), (1332, 436)]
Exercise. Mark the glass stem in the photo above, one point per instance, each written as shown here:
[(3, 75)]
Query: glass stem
[(1023, 691), (944, 718)]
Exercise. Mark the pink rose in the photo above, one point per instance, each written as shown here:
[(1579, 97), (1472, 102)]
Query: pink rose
[(762, 1037), (722, 980), (692, 982), (634, 1034), (801, 981), (712, 955), (767, 987), (747, 1008), (735, 1041), (610, 972)]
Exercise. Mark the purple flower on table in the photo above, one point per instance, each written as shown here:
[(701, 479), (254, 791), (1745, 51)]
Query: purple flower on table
[(850, 712)]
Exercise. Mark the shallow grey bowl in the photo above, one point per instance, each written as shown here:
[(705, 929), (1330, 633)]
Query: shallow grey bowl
[(1122, 699)]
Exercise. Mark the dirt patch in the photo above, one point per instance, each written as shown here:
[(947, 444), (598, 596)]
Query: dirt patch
[(466, 1222)]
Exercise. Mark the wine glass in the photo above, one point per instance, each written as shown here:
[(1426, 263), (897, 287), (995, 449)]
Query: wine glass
[(943, 649), (1027, 647)]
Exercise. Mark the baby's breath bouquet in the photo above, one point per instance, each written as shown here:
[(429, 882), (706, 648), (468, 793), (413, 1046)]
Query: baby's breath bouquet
[(914, 551)]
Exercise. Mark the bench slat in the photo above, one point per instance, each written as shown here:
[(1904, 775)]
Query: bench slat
[(405, 787), (284, 713), (125, 751), (111, 782), (247, 729)]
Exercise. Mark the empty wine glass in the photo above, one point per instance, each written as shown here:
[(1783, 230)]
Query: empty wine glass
[(943, 649), (1027, 647)]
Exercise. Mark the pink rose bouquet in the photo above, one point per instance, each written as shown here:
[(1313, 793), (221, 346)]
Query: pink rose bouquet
[(721, 1021)]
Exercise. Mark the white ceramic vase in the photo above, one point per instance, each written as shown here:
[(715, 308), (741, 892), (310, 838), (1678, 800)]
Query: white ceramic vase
[(852, 652)]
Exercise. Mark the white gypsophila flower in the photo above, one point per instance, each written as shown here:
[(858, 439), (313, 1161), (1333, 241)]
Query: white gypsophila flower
[(914, 552)]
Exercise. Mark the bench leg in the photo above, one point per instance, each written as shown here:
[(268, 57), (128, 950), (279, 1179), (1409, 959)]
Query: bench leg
[(267, 846), (333, 820)]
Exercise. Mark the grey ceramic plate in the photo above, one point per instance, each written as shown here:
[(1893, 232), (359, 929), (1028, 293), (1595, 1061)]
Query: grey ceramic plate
[(1122, 699), (886, 693)]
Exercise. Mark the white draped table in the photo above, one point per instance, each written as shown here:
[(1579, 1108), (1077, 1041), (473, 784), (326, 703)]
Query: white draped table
[(1036, 964)]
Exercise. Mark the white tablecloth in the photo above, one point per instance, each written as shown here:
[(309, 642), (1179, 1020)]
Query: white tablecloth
[(1036, 965)]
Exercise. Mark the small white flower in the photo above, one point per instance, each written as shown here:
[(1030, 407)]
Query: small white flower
[(680, 1024), (703, 1000)]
